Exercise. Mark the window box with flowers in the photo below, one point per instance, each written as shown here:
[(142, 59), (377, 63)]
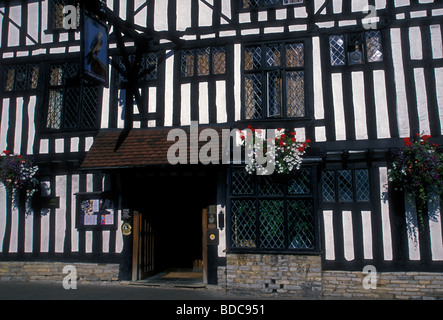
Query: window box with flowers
[(283, 149), (417, 170), (18, 175)]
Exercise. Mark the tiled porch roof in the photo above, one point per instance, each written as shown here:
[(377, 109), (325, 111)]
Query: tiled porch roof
[(141, 147)]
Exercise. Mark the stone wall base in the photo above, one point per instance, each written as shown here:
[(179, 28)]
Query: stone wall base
[(388, 285), (53, 271), (264, 274), (301, 276)]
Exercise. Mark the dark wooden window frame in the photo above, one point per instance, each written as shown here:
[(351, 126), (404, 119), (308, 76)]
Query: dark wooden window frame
[(308, 99), (285, 198)]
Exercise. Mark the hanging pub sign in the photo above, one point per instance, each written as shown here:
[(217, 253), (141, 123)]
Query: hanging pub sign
[(95, 211), (95, 59)]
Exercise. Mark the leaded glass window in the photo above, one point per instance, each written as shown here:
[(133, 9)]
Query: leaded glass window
[(267, 213), (274, 81), (374, 48), (147, 68), (21, 77), (337, 50), (72, 103), (346, 185), (267, 3), (56, 15), (355, 48), (203, 62)]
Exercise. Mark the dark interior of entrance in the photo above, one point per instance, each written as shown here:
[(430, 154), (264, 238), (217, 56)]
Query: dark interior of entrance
[(171, 203)]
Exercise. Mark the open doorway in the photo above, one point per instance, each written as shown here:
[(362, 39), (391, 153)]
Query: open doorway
[(169, 244)]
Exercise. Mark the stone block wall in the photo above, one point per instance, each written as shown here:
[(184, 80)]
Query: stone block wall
[(53, 271), (301, 276), (295, 275), (389, 285)]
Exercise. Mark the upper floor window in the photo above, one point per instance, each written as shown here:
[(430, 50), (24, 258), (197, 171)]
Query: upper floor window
[(274, 81), (355, 48), (72, 102), (21, 77), (56, 15), (203, 62), (266, 3), (147, 68)]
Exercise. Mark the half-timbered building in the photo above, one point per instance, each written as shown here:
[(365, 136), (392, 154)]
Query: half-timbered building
[(354, 77)]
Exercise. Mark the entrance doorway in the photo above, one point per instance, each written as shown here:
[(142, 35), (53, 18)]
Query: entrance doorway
[(167, 237)]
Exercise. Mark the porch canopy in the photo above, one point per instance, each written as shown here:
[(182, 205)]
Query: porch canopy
[(113, 149)]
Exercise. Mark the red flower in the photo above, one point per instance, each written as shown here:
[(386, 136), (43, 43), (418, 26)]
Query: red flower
[(293, 133), (308, 141), (293, 139), (426, 137), (279, 129), (407, 142), (283, 136), (6, 152)]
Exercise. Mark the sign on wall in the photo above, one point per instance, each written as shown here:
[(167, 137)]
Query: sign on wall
[(95, 58), (94, 211)]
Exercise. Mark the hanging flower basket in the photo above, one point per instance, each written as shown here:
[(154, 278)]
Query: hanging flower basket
[(285, 152), (17, 174), (418, 168)]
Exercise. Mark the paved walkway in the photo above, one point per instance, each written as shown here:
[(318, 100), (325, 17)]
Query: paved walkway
[(117, 291)]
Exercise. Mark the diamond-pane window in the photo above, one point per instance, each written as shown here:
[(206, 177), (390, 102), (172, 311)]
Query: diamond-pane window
[(253, 58), (56, 15), (53, 120), (147, 69), (346, 186), (274, 93), (245, 4), (203, 62), (251, 3), (71, 112), (188, 63), (362, 189), (295, 55), (241, 183), (273, 56), (21, 77), (337, 52), (271, 224), (295, 96), (274, 81), (356, 48), (301, 224), (280, 216), (72, 103), (253, 96), (374, 49), (269, 187), (328, 186), (243, 228), (219, 60), (300, 184)]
